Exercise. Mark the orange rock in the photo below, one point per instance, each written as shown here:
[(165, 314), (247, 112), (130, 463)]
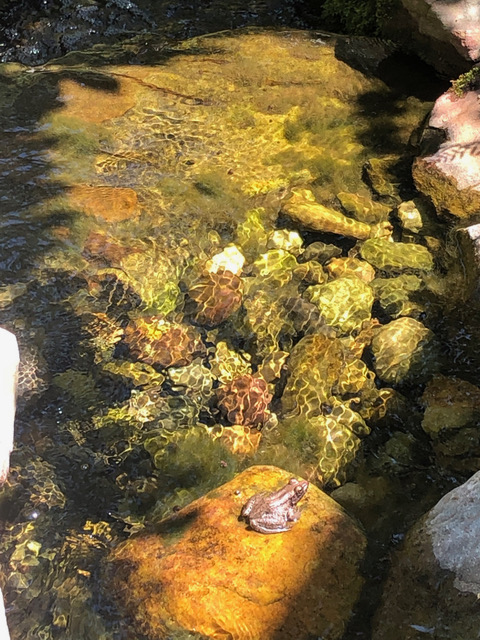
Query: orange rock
[(109, 203), (203, 570), (103, 248), (245, 400), (160, 343)]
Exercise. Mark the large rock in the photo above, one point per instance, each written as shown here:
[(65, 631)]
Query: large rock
[(449, 172), (451, 418), (444, 33), (202, 569), (433, 587)]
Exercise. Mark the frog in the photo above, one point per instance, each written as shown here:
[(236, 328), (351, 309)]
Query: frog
[(276, 511)]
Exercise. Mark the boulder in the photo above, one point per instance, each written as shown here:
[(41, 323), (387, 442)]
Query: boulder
[(449, 171), (451, 419), (445, 34), (433, 586), (203, 570)]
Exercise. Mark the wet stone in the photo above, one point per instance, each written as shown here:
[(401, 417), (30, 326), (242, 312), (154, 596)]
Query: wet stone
[(253, 585), (396, 256), (344, 303), (363, 208), (405, 349), (397, 295)]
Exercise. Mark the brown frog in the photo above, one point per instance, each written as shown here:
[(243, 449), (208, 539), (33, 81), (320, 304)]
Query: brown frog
[(276, 511)]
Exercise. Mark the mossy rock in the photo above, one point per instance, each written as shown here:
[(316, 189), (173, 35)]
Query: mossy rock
[(344, 303), (396, 256), (405, 350)]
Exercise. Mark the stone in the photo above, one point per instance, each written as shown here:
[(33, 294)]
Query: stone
[(433, 586), (404, 349), (303, 208), (339, 267), (448, 173), (443, 29), (451, 419), (409, 216), (396, 256), (112, 204), (203, 570), (468, 243), (397, 296), (345, 303), (363, 208)]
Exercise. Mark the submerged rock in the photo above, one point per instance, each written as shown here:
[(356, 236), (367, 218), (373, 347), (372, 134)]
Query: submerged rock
[(433, 586), (397, 295), (451, 418), (217, 294), (219, 577), (344, 303), (394, 256), (157, 342), (405, 349), (303, 208), (363, 208), (245, 400), (338, 267)]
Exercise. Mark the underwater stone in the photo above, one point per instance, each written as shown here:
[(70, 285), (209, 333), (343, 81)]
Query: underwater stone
[(395, 294), (362, 208), (344, 303), (112, 204), (338, 267), (160, 343), (409, 216), (321, 370), (303, 208), (251, 234), (290, 241), (245, 401), (377, 174), (405, 350), (230, 259), (310, 272), (321, 252), (450, 403), (141, 374), (249, 581), (194, 379), (391, 256), (337, 448), (217, 294), (228, 364)]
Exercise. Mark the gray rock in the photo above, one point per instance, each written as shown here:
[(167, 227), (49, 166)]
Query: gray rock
[(445, 33), (434, 584)]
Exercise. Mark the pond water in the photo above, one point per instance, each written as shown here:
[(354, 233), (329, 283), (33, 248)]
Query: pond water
[(177, 323)]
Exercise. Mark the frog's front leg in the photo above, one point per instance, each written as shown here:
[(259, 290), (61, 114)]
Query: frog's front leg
[(293, 514)]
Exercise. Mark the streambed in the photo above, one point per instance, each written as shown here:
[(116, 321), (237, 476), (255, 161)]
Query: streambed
[(178, 323)]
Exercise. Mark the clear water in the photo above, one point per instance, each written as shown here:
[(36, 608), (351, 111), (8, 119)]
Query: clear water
[(122, 172)]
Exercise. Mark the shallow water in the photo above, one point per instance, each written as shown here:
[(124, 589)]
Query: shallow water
[(123, 171)]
